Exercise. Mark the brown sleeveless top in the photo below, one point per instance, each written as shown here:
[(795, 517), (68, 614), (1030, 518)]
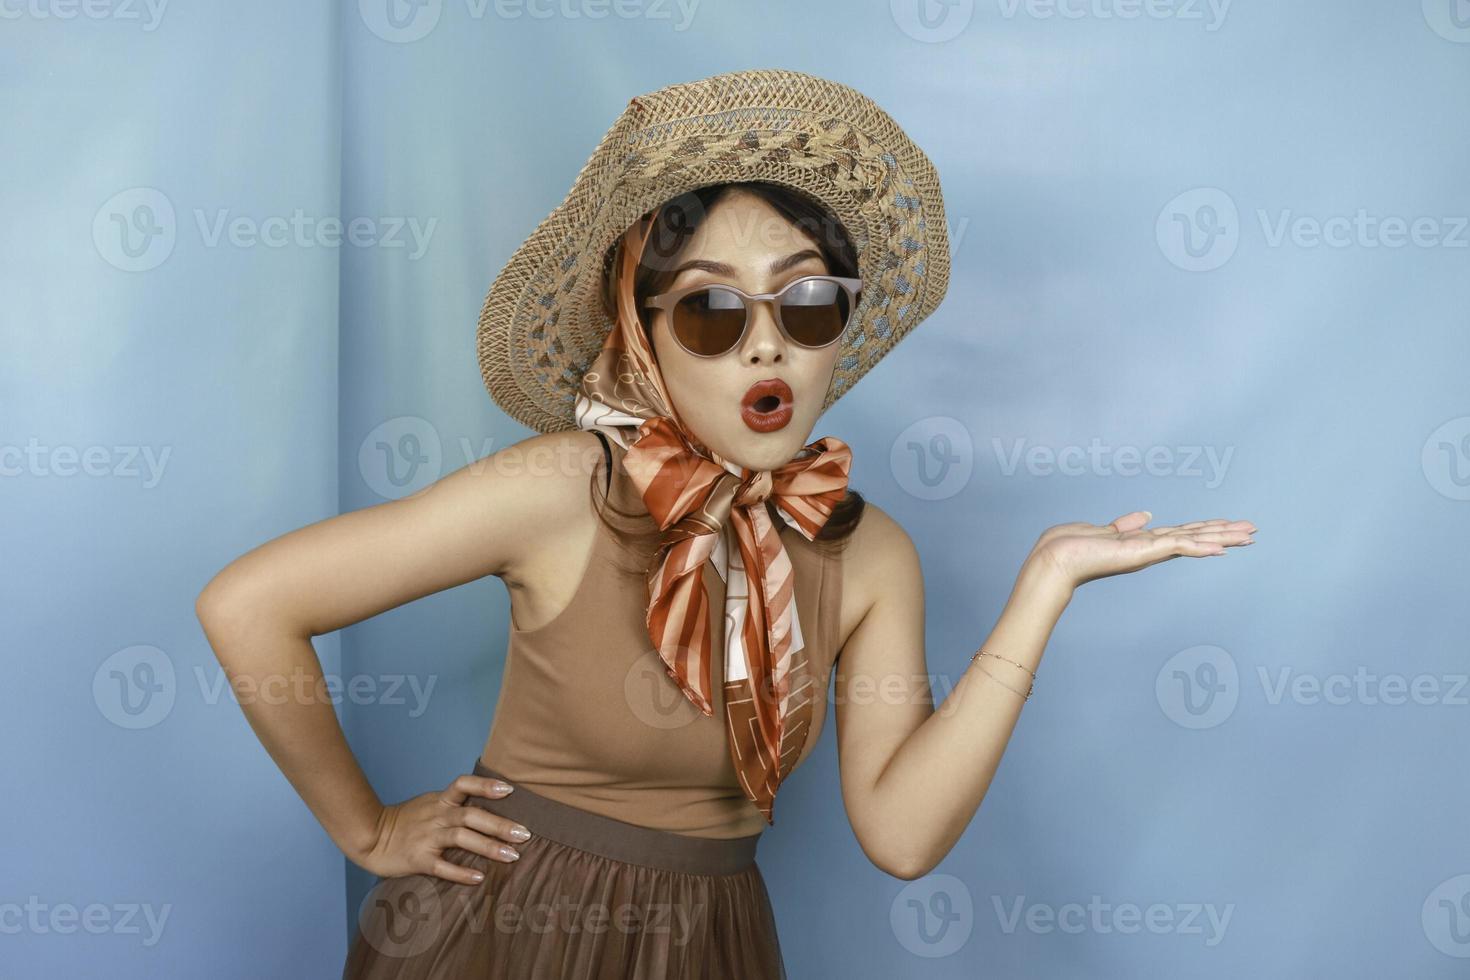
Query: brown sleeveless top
[(588, 716)]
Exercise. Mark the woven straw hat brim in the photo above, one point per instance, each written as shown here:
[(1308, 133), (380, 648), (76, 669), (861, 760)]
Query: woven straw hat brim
[(543, 321)]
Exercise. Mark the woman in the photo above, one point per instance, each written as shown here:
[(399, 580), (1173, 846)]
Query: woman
[(737, 253)]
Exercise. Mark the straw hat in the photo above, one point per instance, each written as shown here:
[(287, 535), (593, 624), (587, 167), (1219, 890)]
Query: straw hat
[(543, 321)]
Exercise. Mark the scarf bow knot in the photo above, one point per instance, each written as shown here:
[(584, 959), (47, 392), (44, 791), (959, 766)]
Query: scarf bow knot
[(712, 510)]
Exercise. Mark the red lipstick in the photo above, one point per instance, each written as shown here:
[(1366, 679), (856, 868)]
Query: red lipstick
[(767, 405)]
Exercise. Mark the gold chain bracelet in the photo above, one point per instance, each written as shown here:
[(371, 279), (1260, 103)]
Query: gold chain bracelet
[(1030, 687)]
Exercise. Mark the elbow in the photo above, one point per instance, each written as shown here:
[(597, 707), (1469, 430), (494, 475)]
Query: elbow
[(906, 865), (221, 612), (907, 871), (210, 607), (895, 853)]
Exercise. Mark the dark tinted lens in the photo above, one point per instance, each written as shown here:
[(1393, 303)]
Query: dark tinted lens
[(814, 312), (709, 321)]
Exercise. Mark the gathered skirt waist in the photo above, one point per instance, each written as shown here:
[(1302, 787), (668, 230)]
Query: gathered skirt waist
[(617, 839)]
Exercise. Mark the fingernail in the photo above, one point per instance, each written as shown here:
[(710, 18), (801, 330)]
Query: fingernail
[(504, 787), (511, 853), (1149, 514), (520, 833), (478, 875)]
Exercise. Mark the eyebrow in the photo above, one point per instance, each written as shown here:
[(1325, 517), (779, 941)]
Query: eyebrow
[(777, 267)]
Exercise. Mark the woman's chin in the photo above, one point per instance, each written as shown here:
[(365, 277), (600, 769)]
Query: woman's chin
[(764, 451)]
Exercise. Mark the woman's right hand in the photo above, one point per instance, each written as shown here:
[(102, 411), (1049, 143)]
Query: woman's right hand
[(412, 835)]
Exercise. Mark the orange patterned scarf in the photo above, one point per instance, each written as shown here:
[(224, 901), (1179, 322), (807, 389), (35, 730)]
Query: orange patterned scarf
[(693, 494)]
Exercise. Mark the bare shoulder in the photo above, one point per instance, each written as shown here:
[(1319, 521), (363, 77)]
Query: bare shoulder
[(508, 514), (526, 498), (880, 560), (555, 520)]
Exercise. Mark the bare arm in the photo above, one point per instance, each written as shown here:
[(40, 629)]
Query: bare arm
[(914, 777), (260, 612)]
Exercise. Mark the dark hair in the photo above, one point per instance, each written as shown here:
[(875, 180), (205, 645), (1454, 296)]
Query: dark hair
[(677, 220)]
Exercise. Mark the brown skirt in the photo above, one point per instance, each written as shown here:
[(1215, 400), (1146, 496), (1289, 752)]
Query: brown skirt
[(590, 897)]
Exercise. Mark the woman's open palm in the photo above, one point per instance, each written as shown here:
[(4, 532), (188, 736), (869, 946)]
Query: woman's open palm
[(1083, 552)]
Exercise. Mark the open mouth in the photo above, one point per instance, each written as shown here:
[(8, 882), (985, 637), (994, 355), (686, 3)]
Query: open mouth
[(767, 405)]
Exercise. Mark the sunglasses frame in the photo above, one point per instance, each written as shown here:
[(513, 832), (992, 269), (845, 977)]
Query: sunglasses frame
[(849, 284)]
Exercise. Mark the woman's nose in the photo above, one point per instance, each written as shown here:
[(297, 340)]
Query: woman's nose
[(764, 343)]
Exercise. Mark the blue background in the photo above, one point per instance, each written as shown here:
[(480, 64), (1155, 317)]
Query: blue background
[(1114, 187)]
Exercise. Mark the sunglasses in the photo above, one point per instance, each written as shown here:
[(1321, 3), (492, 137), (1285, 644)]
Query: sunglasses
[(710, 320)]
